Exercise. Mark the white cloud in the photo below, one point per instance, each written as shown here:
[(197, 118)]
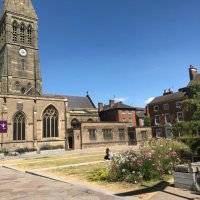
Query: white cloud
[(149, 100), (121, 99)]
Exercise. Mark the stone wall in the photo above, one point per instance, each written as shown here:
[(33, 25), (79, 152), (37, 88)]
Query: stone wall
[(100, 140)]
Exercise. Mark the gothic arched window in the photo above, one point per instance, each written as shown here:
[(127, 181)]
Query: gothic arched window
[(19, 126), (29, 33), (22, 31), (15, 32), (50, 122)]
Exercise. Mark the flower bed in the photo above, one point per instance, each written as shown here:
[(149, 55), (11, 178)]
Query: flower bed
[(154, 160)]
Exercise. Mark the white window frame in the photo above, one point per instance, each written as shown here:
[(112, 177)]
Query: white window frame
[(130, 112), (177, 116), (167, 122), (156, 108), (179, 104), (156, 123), (166, 106), (123, 112), (158, 133)]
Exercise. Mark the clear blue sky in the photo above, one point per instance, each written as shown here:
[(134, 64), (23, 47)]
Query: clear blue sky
[(130, 49)]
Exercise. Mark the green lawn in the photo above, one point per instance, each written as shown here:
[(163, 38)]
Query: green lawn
[(57, 162)]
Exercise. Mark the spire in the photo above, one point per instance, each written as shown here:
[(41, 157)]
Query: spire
[(22, 7)]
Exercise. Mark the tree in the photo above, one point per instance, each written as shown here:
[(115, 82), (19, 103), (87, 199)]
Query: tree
[(192, 104), (147, 121)]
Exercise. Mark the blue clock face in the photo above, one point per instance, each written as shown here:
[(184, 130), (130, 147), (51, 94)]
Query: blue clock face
[(23, 52)]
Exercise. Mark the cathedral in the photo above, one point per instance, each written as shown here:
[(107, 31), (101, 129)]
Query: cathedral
[(33, 119)]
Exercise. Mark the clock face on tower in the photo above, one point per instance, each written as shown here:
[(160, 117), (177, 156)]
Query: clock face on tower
[(23, 52)]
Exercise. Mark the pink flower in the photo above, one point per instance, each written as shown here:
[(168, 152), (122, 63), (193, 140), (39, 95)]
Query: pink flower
[(173, 154), (138, 161)]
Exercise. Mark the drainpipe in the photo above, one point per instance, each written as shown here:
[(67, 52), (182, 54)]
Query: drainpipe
[(66, 137)]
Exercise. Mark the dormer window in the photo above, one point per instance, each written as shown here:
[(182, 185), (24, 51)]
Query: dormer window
[(156, 108)]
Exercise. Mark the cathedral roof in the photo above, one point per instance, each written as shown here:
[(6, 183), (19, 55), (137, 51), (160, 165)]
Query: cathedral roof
[(21, 7), (79, 102), (75, 101)]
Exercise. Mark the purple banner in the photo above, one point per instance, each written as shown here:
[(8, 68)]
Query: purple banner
[(3, 126)]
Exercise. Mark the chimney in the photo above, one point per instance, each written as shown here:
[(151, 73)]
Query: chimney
[(100, 107), (167, 91), (192, 72), (111, 103)]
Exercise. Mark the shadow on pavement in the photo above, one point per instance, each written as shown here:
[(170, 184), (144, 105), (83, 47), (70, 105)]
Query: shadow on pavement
[(160, 187)]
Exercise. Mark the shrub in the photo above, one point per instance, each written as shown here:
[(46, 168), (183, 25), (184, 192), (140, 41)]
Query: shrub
[(24, 150), (5, 152), (50, 147), (153, 161), (192, 141), (102, 174)]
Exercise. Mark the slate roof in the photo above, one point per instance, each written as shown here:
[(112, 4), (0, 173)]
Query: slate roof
[(196, 78), (75, 101), (79, 102), (169, 97), (140, 114), (119, 105)]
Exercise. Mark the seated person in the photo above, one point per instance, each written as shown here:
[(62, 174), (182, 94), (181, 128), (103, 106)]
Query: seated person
[(108, 155)]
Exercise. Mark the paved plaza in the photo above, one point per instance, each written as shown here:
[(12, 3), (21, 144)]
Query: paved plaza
[(15, 185)]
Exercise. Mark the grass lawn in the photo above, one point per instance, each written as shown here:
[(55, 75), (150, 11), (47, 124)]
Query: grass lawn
[(57, 162), (24, 161), (82, 174)]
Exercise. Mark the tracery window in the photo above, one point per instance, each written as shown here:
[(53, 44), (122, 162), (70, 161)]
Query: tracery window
[(50, 122), (19, 126), (29, 33), (15, 32), (22, 31)]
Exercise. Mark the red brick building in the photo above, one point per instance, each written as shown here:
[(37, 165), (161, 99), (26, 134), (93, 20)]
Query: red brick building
[(119, 112), (167, 109)]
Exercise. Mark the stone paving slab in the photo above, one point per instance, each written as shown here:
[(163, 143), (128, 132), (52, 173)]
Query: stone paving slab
[(172, 193), (16, 185)]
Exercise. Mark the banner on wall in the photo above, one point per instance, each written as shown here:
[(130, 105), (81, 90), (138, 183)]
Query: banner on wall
[(3, 126)]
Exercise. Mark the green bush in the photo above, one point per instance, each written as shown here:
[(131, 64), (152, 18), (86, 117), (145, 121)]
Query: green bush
[(5, 152), (24, 150), (192, 141), (153, 161), (51, 147), (102, 174)]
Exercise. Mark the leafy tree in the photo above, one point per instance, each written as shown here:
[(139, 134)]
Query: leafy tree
[(191, 104), (147, 121)]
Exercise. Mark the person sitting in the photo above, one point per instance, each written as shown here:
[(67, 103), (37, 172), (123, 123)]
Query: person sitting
[(108, 155)]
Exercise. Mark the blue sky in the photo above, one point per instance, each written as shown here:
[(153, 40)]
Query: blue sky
[(127, 49)]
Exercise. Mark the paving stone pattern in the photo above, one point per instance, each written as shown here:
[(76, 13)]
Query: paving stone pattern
[(16, 186)]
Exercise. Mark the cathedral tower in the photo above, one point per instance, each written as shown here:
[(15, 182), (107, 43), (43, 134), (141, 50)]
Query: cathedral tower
[(19, 57)]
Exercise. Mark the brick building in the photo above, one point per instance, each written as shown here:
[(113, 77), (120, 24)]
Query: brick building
[(120, 112), (133, 116), (169, 108)]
